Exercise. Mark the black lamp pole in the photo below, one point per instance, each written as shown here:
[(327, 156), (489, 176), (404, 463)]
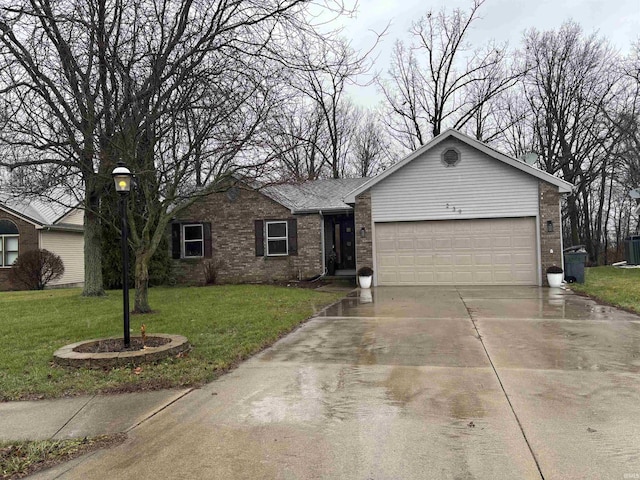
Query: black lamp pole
[(122, 177), (125, 268)]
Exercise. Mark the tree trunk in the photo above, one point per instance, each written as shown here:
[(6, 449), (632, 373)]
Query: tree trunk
[(93, 285), (143, 257), (573, 219)]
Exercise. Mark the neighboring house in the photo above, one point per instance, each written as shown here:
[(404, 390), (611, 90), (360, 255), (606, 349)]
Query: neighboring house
[(32, 224), (454, 212)]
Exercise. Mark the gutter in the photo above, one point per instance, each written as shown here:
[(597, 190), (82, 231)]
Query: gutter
[(323, 212), (62, 228)]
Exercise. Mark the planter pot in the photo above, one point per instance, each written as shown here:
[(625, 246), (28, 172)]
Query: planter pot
[(365, 282), (555, 279)]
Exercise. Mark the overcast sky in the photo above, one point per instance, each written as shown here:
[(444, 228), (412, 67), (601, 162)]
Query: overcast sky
[(501, 20)]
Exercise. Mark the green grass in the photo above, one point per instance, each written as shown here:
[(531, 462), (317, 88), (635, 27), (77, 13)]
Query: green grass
[(19, 459), (615, 286), (224, 324)]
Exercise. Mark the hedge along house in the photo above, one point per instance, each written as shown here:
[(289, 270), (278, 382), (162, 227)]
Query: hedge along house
[(457, 212), (29, 225), (275, 233)]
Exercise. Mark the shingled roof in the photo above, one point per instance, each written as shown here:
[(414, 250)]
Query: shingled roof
[(35, 210), (314, 196)]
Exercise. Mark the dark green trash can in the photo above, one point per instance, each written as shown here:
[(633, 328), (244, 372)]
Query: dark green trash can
[(632, 250), (574, 261)]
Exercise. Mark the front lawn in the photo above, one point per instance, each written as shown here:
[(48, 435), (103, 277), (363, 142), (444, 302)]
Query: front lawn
[(19, 459), (615, 286), (224, 324)]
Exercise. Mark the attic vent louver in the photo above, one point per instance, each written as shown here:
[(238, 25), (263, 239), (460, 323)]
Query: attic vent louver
[(450, 157)]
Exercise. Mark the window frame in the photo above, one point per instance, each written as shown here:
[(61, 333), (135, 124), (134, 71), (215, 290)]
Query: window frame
[(267, 238), (3, 248), (183, 240)]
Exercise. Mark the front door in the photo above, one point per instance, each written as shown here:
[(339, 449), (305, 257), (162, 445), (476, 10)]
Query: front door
[(344, 242)]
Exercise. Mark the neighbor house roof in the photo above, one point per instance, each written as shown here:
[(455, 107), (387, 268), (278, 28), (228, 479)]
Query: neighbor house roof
[(39, 212), (564, 187), (314, 196)]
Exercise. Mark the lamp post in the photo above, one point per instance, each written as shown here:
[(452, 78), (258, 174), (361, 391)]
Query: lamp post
[(122, 178)]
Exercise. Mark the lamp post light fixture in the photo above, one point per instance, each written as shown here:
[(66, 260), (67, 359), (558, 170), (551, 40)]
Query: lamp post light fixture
[(122, 178)]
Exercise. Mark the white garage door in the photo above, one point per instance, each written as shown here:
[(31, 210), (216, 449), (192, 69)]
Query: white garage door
[(457, 252)]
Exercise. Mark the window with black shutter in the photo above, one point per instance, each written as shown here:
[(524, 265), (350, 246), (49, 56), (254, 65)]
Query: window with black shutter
[(191, 240)]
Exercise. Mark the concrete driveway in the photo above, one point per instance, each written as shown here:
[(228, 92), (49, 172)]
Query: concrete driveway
[(411, 383)]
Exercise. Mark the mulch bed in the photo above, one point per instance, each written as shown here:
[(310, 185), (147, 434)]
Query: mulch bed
[(117, 345)]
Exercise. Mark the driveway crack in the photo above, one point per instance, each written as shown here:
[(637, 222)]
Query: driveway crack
[(506, 395)]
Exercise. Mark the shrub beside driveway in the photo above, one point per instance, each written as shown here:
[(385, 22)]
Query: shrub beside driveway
[(225, 324), (615, 286)]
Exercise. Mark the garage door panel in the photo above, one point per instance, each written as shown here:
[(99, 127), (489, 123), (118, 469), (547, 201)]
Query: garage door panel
[(406, 260), (424, 259), (463, 243), (424, 243), (501, 241), (464, 259), (386, 245), (463, 278), (387, 278), (441, 259), (480, 243), (408, 277), (425, 278), (387, 261), (482, 251)]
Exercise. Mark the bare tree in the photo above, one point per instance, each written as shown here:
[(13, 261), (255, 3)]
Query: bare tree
[(432, 86), (570, 83), (178, 90), (325, 70), (370, 147)]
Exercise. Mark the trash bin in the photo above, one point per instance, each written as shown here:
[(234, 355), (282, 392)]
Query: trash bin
[(574, 261), (632, 250)]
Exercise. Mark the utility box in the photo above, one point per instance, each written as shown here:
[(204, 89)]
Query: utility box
[(632, 250), (575, 259)]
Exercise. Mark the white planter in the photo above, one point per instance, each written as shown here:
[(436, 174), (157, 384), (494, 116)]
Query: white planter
[(555, 279), (365, 282)]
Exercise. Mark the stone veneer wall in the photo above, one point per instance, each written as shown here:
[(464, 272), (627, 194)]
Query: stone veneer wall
[(549, 206), (28, 240), (233, 241), (364, 246)]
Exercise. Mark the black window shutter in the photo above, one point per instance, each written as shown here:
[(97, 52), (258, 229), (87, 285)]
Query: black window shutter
[(293, 236), (206, 228), (259, 227), (175, 240)]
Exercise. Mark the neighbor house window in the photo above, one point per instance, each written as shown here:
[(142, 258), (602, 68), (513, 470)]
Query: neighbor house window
[(277, 239), (8, 243), (192, 240)]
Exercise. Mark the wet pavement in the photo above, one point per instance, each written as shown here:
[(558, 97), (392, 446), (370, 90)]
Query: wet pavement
[(411, 382)]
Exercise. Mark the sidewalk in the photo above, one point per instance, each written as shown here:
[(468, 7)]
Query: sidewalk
[(79, 417)]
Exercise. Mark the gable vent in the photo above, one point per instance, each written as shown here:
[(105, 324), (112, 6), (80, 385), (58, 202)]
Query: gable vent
[(450, 157)]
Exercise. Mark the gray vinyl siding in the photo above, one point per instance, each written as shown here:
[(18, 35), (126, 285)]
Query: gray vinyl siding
[(478, 185), (69, 246)]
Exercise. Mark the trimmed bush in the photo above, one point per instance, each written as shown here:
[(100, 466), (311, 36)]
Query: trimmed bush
[(554, 269), (34, 269), (365, 272)]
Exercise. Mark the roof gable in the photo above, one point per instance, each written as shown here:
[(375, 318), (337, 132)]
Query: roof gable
[(564, 187), (34, 210)]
